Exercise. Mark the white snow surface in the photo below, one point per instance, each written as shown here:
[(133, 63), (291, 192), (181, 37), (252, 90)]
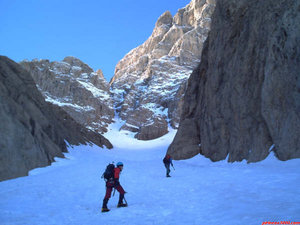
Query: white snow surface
[(70, 192)]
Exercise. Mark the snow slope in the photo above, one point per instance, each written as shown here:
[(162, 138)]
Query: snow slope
[(70, 192)]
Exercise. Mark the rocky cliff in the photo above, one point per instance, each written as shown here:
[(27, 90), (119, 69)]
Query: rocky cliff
[(244, 98), (76, 88), (32, 131), (150, 81)]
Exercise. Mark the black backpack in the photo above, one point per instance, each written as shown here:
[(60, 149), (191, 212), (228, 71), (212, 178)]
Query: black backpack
[(109, 172), (166, 161)]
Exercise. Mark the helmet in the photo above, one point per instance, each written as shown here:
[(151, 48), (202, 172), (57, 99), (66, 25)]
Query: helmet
[(119, 164)]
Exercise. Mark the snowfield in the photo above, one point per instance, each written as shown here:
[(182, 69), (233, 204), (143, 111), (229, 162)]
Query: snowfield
[(70, 192)]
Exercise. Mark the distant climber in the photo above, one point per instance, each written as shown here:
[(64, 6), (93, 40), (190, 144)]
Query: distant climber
[(168, 161), (111, 176)]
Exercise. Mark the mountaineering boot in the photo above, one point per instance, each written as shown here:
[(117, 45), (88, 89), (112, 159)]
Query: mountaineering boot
[(121, 204), (168, 175), (104, 206), (105, 210)]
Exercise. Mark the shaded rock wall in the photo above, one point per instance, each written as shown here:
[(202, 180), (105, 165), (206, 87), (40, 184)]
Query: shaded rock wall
[(244, 98), (32, 131)]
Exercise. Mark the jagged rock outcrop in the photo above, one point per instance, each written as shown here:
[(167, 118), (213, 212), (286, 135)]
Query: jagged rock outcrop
[(244, 98), (74, 86), (150, 81), (32, 131)]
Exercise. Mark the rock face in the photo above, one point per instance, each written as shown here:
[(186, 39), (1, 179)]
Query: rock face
[(74, 86), (150, 81), (244, 98), (32, 131)]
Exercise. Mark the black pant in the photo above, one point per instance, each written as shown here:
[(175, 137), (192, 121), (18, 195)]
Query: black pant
[(167, 165)]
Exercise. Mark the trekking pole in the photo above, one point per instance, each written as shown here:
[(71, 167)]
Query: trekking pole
[(125, 200), (173, 167), (114, 192)]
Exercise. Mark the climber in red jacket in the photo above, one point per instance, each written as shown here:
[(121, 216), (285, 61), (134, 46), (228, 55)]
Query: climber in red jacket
[(114, 183)]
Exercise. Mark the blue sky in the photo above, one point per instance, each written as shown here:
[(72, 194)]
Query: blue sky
[(98, 32)]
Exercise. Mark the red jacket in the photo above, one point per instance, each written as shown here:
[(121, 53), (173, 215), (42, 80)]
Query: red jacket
[(117, 172)]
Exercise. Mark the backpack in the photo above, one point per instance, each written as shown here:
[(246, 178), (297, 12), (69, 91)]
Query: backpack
[(166, 159), (109, 172)]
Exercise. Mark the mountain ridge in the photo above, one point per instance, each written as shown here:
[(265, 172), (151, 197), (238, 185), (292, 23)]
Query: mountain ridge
[(149, 81), (74, 86)]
